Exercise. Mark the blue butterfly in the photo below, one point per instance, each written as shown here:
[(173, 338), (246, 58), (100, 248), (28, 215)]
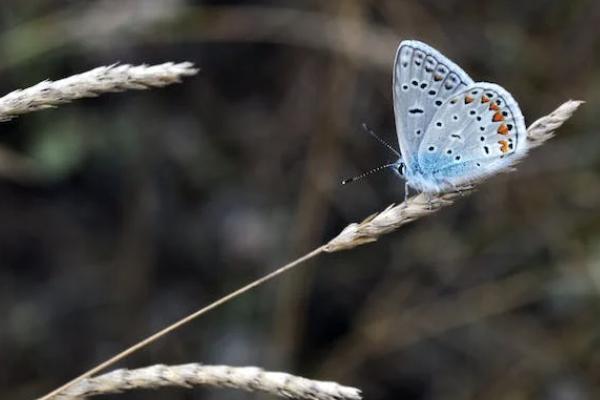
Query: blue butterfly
[(452, 131)]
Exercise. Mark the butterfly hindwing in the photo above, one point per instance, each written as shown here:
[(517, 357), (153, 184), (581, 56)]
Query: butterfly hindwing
[(476, 132), (423, 80)]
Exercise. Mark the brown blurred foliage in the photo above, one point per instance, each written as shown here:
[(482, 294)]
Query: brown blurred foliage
[(123, 213)]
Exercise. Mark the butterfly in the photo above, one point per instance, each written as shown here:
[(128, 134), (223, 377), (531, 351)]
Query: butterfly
[(452, 131)]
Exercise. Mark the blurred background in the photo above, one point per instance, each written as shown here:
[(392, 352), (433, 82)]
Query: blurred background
[(123, 213)]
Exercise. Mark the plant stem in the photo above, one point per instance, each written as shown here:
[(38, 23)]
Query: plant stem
[(185, 320)]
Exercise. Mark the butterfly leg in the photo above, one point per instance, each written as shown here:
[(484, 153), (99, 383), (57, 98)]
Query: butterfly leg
[(406, 190), (453, 188), (461, 190), (464, 190), (432, 195), (429, 198)]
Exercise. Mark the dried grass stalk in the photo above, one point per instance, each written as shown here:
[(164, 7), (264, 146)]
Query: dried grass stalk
[(251, 379), (421, 205), (353, 235), (105, 79), (545, 127)]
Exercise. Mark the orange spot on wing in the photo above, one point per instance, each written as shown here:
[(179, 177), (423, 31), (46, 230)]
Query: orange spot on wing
[(468, 99), (484, 99), (437, 78), (494, 107), (503, 146), (498, 117), (503, 129)]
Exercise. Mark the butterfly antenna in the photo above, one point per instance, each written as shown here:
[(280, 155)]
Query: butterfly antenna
[(364, 174), (380, 140)]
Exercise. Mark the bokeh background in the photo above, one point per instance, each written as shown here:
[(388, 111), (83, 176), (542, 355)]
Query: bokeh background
[(121, 214)]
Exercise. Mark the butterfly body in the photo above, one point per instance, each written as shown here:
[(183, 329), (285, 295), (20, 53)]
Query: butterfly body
[(452, 131)]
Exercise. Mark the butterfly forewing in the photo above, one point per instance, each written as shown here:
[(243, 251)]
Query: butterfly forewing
[(423, 80)]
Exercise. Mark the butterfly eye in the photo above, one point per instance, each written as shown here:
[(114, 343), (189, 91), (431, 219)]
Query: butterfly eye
[(400, 169)]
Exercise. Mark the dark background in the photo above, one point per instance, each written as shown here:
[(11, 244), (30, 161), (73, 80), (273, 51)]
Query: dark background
[(121, 214)]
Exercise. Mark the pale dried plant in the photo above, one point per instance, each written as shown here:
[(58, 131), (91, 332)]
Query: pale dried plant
[(250, 379), (105, 79), (352, 236)]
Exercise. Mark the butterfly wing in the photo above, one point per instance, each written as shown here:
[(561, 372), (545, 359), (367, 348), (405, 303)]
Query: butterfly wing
[(475, 133), (423, 80)]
